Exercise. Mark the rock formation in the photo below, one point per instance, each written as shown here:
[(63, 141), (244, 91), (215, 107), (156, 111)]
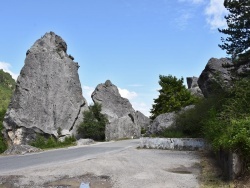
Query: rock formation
[(143, 120), (48, 93), (164, 121), (123, 122), (215, 76), (193, 86)]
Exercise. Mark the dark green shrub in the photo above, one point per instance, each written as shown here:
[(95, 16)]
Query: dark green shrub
[(173, 96), (51, 142), (3, 144), (93, 125)]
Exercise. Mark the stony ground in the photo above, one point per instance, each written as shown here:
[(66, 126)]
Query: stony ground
[(131, 168)]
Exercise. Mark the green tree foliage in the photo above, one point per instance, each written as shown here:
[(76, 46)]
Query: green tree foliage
[(7, 85), (173, 96), (238, 21), (3, 145), (93, 125)]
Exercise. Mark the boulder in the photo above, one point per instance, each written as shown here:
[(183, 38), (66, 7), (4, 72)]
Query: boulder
[(123, 122), (164, 121), (143, 120), (48, 94), (21, 150), (216, 76), (193, 86)]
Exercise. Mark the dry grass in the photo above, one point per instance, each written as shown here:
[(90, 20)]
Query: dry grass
[(211, 174)]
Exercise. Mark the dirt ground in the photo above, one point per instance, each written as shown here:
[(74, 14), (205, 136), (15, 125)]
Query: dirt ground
[(131, 168)]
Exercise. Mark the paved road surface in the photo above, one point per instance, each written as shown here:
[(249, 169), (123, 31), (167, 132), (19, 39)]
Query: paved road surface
[(10, 163)]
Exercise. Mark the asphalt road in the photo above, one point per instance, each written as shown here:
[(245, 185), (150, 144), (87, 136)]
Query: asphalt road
[(17, 162)]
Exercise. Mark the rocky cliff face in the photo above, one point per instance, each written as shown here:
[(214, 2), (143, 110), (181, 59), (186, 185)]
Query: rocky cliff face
[(215, 76), (123, 122), (48, 93), (193, 86)]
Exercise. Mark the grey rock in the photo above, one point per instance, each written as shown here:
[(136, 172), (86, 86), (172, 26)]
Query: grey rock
[(21, 149), (164, 121), (143, 120), (123, 122), (82, 142), (48, 93), (193, 86), (216, 76)]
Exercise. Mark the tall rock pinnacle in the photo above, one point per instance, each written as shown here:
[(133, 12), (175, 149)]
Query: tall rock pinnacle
[(48, 93)]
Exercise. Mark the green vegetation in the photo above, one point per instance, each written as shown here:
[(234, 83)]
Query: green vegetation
[(173, 96), (223, 120), (3, 145), (238, 21), (7, 85), (93, 125), (51, 142)]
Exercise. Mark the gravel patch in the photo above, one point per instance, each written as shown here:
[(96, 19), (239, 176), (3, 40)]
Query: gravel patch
[(131, 168)]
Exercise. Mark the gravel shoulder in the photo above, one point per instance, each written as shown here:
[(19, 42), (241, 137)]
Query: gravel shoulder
[(132, 168)]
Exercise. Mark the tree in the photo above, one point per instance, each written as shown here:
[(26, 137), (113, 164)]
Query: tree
[(173, 96), (238, 22), (93, 125)]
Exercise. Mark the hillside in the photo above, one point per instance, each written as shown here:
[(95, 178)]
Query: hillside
[(7, 86)]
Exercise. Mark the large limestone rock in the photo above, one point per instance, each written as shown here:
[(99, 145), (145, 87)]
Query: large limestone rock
[(143, 120), (48, 93), (166, 120), (216, 76), (193, 86), (123, 122)]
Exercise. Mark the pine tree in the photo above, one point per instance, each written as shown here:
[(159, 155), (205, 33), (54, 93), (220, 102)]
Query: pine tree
[(238, 22), (173, 96)]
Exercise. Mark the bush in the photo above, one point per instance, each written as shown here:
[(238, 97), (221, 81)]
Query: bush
[(173, 96), (51, 142), (94, 123), (3, 144)]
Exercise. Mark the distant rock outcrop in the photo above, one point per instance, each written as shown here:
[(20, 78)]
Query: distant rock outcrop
[(143, 120), (123, 122), (48, 93), (193, 86), (215, 76)]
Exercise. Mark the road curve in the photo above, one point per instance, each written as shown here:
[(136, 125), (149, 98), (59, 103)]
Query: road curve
[(17, 162)]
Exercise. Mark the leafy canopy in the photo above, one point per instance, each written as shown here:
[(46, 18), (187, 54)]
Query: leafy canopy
[(173, 96), (238, 22), (94, 123)]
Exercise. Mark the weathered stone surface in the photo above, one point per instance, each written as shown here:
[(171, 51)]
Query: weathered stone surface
[(82, 142), (48, 93), (143, 120), (215, 76), (189, 144), (193, 86), (123, 122), (21, 149), (166, 120), (162, 122)]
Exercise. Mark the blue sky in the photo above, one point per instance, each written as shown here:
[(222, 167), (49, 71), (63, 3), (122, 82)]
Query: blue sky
[(130, 42)]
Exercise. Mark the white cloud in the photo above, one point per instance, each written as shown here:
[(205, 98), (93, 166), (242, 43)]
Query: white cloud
[(127, 94), (87, 91), (215, 12), (6, 68), (183, 20)]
